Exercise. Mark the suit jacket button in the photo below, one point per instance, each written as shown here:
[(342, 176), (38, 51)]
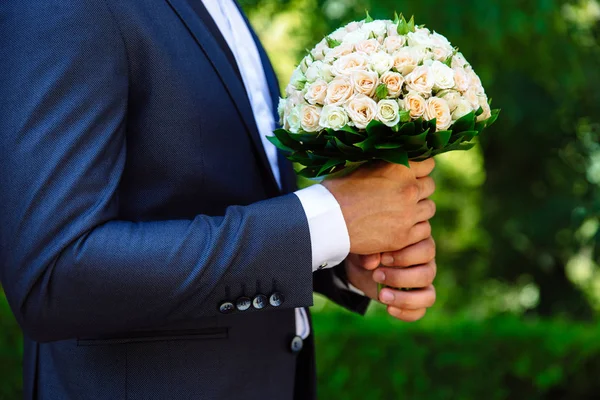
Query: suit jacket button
[(226, 307), (243, 303), (297, 344), (276, 299), (260, 301)]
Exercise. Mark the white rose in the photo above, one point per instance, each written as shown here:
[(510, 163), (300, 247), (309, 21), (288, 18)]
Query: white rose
[(305, 63), (294, 119), (316, 92), (452, 97), (361, 110), (377, 27), (365, 82), (422, 54), (338, 34), (367, 46), (463, 107), (348, 64), (443, 76), (421, 80), (281, 106), (438, 108), (461, 79), (333, 117), (474, 81), (392, 29), (320, 50), (388, 112), (459, 61), (441, 47), (419, 38), (294, 96), (338, 51), (415, 103), (314, 71), (298, 80), (393, 43), (404, 60), (394, 82), (472, 96), (487, 112), (352, 26), (339, 91), (354, 37), (381, 62), (310, 116)]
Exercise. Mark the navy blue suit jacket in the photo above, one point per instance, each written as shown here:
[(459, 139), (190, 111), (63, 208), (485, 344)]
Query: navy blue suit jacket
[(135, 198)]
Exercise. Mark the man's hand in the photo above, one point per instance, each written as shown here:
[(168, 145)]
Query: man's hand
[(385, 206), (411, 267)]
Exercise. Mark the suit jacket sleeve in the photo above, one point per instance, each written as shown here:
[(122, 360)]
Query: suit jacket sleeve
[(324, 283), (69, 265)]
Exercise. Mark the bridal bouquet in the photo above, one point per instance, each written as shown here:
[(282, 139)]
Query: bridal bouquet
[(380, 89)]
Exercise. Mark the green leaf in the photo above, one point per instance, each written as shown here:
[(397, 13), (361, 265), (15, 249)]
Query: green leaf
[(308, 172), (469, 135), (396, 17), (329, 165), (368, 18), (479, 111), (384, 146), (284, 138), (381, 91), (367, 145), (448, 61), (344, 148), (493, 118), (405, 116), (411, 24), (407, 129), (305, 137), (440, 139), (417, 140), (465, 123), (394, 156), (402, 26), (377, 128), (332, 42), (480, 126), (278, 144)]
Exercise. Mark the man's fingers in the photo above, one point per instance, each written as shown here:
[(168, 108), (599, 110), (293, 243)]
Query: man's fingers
[(420, 231), (425, 210), (422, 168), (370, 261), (419, 253), (408, 300), (406, 315), (419, 276), (426, 187)]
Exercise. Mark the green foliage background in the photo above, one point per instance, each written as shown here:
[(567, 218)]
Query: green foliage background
[(518, 217)]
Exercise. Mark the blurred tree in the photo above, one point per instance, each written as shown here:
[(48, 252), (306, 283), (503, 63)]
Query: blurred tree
[(539, 61)]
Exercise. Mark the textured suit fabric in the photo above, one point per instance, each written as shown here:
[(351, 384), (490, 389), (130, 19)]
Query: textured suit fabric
[(135, 198)]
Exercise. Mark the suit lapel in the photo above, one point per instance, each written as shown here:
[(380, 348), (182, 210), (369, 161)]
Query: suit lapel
[(193, 16)]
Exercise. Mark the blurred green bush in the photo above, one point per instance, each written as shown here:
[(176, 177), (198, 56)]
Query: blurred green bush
[(375, 358), (11, 352)]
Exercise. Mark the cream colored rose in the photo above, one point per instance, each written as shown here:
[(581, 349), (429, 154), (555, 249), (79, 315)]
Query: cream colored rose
[(298, 80), (463, 107), (394, 82), (388, 112), (438, 108), (393, 43), (487, 112), (441, 47), (458, 61), (333, 117), (421, 80), (461, 79), (419, 38), (310, 116), (392, 29), (281, 106), (314, 71), (320, 50), (305, 63), (443, 76), (339, 91), (361, 110), (339, 34), (354, 37), (339, 51), (472, 96), (377, 27), (422, 54), (404, 60), (452, 97), (294, 119), (352, 26), (365, 82), (347, 65), (474, 81), (367, 46), (316, 92), (415, 103), (294, 97)]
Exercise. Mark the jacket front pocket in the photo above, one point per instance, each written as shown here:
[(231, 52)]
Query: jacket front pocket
[(156, 336)]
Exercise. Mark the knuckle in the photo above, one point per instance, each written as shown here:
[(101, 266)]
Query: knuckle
[(432, 207), (432, 297), (411, 192)]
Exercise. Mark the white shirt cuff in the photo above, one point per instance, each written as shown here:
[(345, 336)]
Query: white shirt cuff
[(330, 242), (346, 285)]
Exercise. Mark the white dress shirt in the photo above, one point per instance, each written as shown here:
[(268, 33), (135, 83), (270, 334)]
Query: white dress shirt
[(330, 243)]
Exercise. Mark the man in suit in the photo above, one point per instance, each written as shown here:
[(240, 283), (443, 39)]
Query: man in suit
[(152, 243)]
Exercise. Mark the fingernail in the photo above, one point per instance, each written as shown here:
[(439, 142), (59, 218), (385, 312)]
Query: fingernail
[(387, 296), (379, 276), (387, 259)]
